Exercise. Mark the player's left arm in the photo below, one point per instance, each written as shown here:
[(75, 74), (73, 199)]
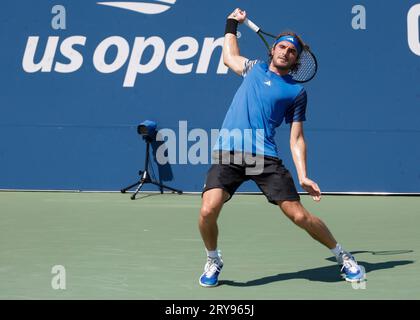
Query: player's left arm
[(298, 150)]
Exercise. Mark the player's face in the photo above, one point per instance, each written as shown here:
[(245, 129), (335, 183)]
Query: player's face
[(284, 55)]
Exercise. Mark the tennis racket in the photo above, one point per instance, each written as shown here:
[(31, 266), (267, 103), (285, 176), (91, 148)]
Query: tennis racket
[(308, 65)]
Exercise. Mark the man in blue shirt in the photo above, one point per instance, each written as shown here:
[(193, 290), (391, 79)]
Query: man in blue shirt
[(267, 96)]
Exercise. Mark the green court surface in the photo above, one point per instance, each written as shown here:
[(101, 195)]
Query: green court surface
[(114, 248)]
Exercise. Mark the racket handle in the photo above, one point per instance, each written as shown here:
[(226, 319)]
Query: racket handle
[(251, 25)]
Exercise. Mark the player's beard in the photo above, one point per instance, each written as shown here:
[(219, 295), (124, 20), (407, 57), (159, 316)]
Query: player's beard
[(284, 64)]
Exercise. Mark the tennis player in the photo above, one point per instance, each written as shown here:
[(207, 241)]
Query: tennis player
[(267, 96)]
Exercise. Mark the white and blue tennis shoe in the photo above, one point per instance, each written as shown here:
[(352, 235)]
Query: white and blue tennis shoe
[(352, 272), (210, 277)]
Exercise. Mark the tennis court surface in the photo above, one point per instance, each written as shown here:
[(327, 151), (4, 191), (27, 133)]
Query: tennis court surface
[(114, 248)]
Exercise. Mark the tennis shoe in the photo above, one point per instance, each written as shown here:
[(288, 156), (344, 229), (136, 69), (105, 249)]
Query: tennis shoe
[(211, 273), (352, 272)]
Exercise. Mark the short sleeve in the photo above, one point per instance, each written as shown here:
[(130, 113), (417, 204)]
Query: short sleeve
[(248, 65), (297, 111)]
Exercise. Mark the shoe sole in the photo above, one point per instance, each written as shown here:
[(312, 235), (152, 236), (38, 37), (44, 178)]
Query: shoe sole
[(355, 280), (208, 285)]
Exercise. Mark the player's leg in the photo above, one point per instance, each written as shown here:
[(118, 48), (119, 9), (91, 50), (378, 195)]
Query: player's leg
[(313, 225), (211, 206), (278, 186), (221, 183), (317, 229)]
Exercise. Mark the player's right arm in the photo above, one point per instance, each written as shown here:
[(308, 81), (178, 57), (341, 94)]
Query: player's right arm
[(231, 54)]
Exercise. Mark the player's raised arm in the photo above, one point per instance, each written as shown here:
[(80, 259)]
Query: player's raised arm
[(231, 54)]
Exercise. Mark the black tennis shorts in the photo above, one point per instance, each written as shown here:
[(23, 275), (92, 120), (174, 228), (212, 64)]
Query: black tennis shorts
[(275, 181)]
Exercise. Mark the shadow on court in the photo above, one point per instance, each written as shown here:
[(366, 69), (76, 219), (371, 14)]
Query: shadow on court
[(146, 195), (323, 274)]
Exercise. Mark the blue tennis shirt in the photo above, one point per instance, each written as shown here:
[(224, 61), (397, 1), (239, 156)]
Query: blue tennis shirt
[(259, 106)]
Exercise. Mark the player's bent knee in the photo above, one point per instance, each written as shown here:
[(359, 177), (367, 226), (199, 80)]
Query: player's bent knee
[(300, 219), (295, 212), (290, 207), (208, 212)]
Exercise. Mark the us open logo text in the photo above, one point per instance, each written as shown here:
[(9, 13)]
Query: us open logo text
[(183, 55)]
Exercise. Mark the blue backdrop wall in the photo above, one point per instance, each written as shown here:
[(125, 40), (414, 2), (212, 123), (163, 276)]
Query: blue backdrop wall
[(78, 78)]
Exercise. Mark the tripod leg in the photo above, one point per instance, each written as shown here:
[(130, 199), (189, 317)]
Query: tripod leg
[(129, 187), (137, 190)]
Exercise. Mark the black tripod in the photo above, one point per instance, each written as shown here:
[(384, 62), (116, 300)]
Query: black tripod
[(145, 177)]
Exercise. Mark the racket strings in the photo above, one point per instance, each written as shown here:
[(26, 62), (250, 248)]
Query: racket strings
[(307, 67)]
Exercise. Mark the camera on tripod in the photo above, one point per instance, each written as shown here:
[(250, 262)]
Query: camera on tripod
[(147, 129)]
